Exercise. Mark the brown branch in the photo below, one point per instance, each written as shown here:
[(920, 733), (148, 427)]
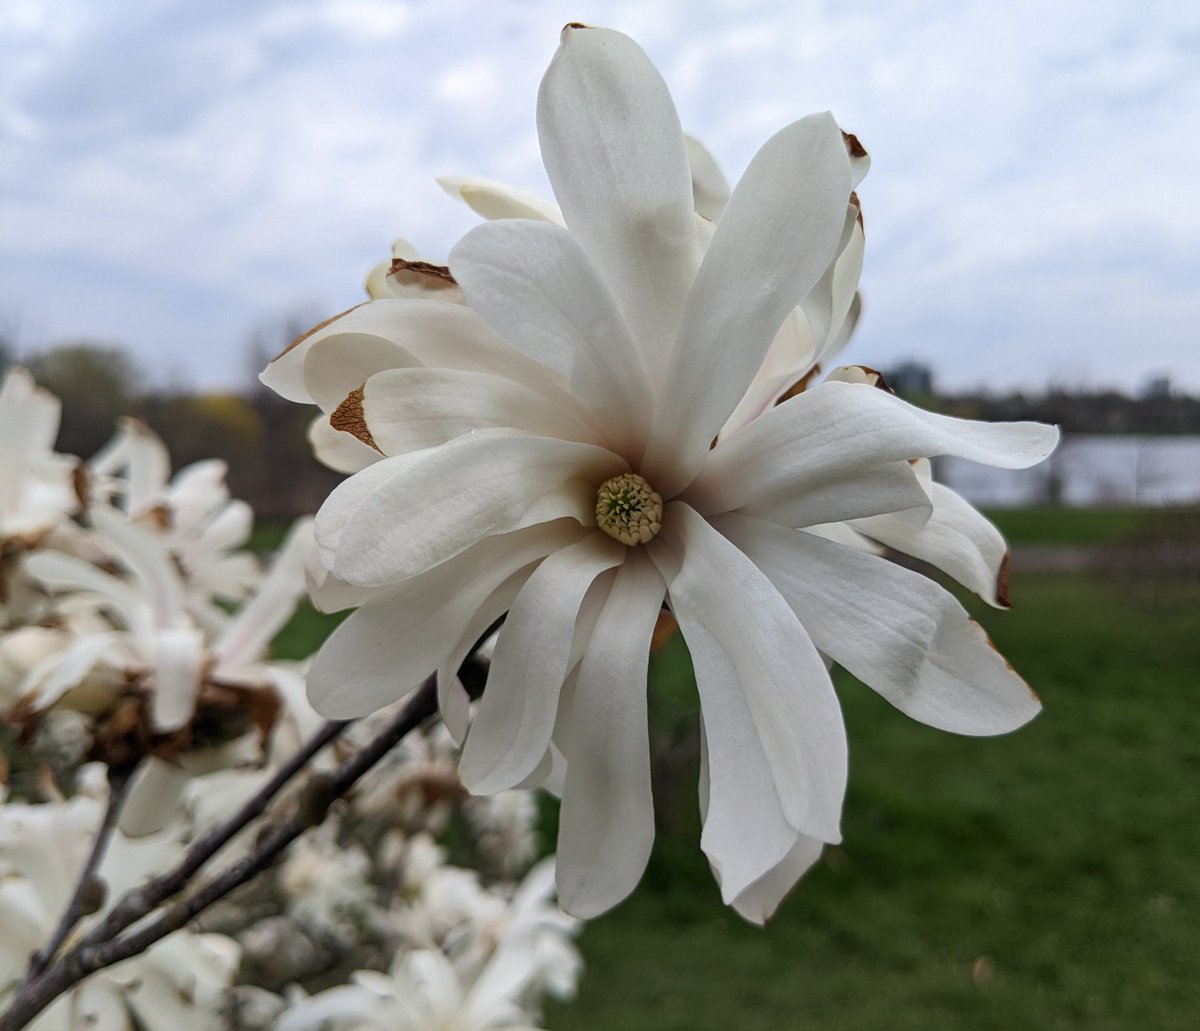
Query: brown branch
[(119, 779), (137, 902), (87, 957)]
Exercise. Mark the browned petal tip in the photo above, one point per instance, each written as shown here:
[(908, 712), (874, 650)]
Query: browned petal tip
[(1002, 595), (1011, 668), (664, 630), (349, 418), (428, 275), (853, 146), (575, 25), (316, 329), (81, 484), (800, 385), (876, 378)]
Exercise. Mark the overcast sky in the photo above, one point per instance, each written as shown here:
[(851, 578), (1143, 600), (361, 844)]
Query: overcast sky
[(175, 175)]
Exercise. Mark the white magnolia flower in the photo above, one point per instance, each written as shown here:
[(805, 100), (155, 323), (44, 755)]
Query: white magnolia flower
[(547, 451), (491, 972), (202, 526), (37, 488)]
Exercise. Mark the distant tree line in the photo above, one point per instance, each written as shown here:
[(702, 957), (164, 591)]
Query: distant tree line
[(258, 434), (1100, 411), (263, 439)]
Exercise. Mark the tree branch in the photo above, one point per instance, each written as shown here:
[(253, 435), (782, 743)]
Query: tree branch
[(137, 902), (119, 780), (89, 956)]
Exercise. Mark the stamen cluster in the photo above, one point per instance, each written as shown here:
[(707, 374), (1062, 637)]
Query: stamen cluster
[(628, 510)]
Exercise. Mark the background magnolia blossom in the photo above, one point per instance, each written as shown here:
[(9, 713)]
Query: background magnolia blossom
[(136, 664)]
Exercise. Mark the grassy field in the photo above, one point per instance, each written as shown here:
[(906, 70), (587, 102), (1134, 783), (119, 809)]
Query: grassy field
[(1047, 880)]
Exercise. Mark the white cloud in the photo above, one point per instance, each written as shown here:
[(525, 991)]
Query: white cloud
[(186, 170)]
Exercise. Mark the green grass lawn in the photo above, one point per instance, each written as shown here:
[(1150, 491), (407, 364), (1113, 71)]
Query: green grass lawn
[(1045, 880), (1046, 524), (1048, 879)]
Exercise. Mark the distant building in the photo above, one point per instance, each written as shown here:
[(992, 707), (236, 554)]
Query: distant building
[(910, 378), (1156, 388)]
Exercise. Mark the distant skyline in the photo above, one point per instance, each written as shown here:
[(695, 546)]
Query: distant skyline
[(175, 177)]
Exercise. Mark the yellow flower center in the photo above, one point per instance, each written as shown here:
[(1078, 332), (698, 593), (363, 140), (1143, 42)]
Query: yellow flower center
[(628, 510)]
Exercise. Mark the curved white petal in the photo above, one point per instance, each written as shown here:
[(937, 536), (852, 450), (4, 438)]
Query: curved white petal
[(405, 514), (153, 797), (957, 539), (607, 822), (894, 629), (834, 428), (340, 451), (285, 372), (776, 237), (491, 199), (402, 635), (719, 593), (710, 189), (453, 700), (336, 365), (515, 720), (410, 409), (145, 554), (614, 152), (745, 831), (178, 665), (533, 283), (792, 491), (758, 901)]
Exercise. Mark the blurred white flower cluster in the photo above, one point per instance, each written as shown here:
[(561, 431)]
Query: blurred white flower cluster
[(135, 634)]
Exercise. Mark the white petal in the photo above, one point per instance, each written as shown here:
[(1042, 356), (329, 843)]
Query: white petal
[(402, 635), (491, 199), (406, 514), (720, 593), (710, 189), (340, 451), (957, 539), (453, 700), (894, 629), (410, 409), (285, 373), (513, 725), (338, 364), (745, 832), (793, 491), (614, 152), (145, 554), (533, 283), (777, 235), (178, 664), (66, 572), (833, 428), (758, 902), (607, 822), (153, 797)]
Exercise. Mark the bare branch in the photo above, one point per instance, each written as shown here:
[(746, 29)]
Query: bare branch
[(119, 780), (89, 956)]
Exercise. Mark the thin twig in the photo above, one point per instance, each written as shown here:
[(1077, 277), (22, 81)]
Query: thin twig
[(119, 780), (136, 903), (86, 958)]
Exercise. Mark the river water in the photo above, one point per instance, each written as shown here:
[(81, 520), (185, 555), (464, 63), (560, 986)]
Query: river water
[(1088, 470)]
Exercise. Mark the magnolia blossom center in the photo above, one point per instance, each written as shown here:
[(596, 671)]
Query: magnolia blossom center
[(628, 510)]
